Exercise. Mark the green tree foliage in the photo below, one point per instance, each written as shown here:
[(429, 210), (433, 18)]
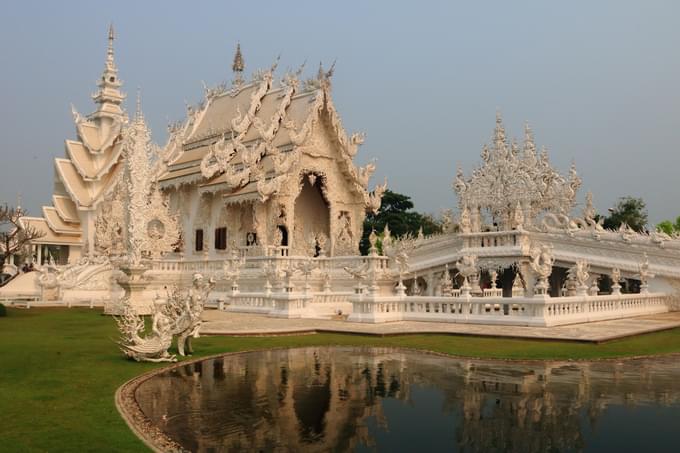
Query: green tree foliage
[(669, 227), (396, 211), (629, 210)]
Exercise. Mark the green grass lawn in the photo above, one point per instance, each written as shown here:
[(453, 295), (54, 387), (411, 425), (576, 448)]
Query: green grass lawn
[(59, 370)]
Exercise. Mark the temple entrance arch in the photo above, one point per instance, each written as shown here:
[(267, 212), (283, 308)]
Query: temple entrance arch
[(311, 217)]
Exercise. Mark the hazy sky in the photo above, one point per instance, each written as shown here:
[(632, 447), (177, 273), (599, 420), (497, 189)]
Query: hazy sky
[(597, 80)]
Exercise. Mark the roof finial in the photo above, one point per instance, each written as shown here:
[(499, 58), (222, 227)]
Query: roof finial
[(109, 51), (238, 66), (19, 201)]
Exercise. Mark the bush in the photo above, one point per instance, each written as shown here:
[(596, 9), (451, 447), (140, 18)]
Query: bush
[(3, 310)]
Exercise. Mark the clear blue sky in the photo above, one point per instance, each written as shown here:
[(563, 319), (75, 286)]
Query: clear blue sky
[(598, 81)]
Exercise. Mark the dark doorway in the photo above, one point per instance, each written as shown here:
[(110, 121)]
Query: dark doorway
[(284, 235)]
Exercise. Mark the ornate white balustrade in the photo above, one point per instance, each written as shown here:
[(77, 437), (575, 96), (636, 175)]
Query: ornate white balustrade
[(527, 311), (256, 262), (489, 239)]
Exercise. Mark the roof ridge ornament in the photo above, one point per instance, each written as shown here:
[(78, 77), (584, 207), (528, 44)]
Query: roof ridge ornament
[(109, 96), (238, 66)]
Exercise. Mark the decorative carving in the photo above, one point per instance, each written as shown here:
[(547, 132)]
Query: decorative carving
[(180, 316), (467, 267), (446, 282), (232, 268), (541, 263), (579, 274), (508, 178), (644, 274), (344, 241), (163, 229), (374, 199)]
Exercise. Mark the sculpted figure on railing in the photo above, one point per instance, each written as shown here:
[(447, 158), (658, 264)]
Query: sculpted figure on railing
[(179, 316), (467, 267), (541, 263), (306, 268), (616, 281), (232, 267), (446, 282), (645, 275), (272, 274), (579, 273), (399, 251)]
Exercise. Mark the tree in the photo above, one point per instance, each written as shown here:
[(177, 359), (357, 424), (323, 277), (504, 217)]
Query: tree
[(669, 227), (628, 210), (14, 235), (396, 210)]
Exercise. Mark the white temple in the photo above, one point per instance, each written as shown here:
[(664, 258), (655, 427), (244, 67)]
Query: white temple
[(258, 188)]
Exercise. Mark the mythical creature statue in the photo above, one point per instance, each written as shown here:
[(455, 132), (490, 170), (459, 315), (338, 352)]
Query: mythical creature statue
[(399, 250), (446, 282), (151, 348), (644, 274), (579, 273), (232, 267), (179, 316), (358, 273), (541, 263), (467, 267), (188, 323)]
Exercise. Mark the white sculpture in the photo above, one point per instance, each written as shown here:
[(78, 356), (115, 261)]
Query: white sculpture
[(541, 263), (180, 316), (232, 268), (508, 179), (399, 250), (644, 274), (306, 268), (616, 281), (446, 282), (579, 274), (467, 268)]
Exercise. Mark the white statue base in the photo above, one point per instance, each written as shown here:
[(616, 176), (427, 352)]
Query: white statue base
[(135, 284), (290, 305)]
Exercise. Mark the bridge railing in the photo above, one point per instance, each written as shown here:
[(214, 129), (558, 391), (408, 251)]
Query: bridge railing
[(529, 311)]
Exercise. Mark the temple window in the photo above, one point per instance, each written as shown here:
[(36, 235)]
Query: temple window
[(199, 240), (221, 238), (251, 239)]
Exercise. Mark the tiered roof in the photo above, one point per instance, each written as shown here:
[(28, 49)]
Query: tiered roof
[(91, 164)]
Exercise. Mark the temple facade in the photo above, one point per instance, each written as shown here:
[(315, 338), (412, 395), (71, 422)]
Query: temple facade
[(267, 167)]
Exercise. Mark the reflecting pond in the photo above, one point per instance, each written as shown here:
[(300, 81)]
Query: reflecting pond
[(376, 399)]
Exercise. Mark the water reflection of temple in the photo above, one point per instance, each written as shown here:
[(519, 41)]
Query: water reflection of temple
[(323, 399)]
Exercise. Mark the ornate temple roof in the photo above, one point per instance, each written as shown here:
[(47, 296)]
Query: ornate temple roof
[(245, 140)]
